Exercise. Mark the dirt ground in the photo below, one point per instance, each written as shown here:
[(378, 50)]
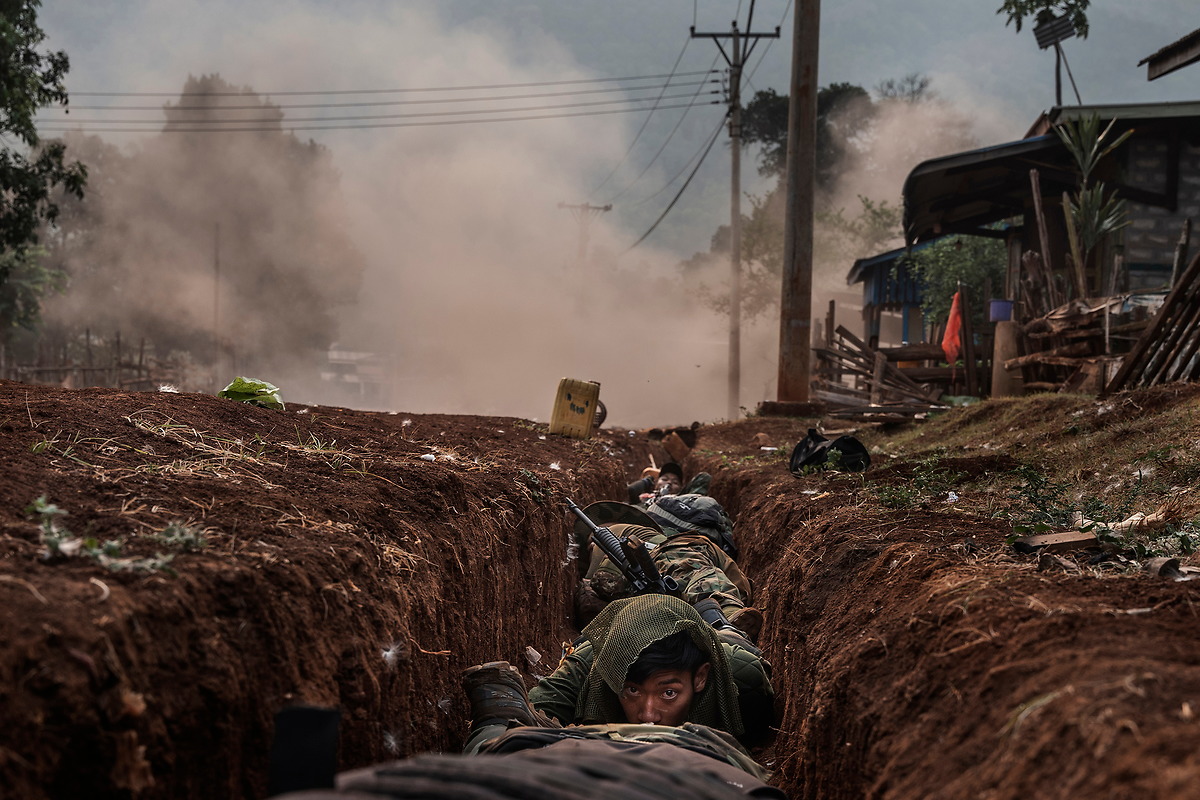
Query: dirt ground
[(216, 562)]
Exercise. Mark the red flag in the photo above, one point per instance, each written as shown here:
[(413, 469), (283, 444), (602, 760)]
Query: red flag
[(951, 343)]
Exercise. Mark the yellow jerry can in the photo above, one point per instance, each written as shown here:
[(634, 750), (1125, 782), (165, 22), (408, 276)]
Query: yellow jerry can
[(575, 406)]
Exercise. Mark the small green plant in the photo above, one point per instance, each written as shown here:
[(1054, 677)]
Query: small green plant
[(53, 534), (61, 544), (1170, 541), (897, 496), (929, 480), (534, 484), (1044, 503), (181, 536)]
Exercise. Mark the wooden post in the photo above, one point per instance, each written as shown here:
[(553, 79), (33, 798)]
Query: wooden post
[(795, 319), (1076, 252), (877, 378), (117, 363), (1181, 250), (1044, 237), (835, 368), (1005, 383), (968, 342), (1107, 328), (1118, 266)]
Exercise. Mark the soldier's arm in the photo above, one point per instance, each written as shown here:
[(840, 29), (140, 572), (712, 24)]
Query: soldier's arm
[(557, 694), (635, 490)]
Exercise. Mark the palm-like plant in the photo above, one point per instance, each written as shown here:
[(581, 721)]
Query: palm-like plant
[(1092, 213)]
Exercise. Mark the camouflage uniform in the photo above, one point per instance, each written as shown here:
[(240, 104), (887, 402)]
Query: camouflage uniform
[(691, 540), (700, 567), (684, 744)]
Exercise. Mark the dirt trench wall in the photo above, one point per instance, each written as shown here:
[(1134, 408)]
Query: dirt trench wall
[(350, 572), (917, 656)]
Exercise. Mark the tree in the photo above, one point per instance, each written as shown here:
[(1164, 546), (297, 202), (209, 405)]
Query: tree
[(1092, 213), (843, 111), (912, 88), (973, 261), (26, 280), (1042, 10), (29, 81), (765, 123), (201, 228)]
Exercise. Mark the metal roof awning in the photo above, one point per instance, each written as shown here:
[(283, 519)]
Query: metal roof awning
[(1183, 115), (1174, 56), (962, 193), (858, 273)]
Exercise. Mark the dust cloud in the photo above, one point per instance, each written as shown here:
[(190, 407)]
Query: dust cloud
[(420, 269), (903, 134)]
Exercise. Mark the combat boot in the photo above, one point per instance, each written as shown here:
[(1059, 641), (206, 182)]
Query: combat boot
[(497, 695)]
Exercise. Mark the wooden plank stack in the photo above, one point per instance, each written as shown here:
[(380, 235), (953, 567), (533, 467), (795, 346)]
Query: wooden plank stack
[(1169, 348), (881, 391)]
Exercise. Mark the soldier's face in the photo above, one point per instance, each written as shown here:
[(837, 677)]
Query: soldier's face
[(669, 483), (664, 698)]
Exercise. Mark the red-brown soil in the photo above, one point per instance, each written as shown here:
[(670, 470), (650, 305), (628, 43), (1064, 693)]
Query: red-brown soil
[(916, 653)]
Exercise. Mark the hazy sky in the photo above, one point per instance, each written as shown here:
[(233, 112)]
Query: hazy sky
[(974, 60)]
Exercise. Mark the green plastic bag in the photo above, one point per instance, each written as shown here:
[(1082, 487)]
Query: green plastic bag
[(250, 390)]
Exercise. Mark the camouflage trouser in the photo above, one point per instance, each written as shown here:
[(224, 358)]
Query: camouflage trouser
[(701, 568), (701, 576)]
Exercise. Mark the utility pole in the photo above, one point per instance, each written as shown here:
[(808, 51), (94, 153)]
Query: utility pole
[(741, 45), (584, 213), (795, 312), (217, 304)]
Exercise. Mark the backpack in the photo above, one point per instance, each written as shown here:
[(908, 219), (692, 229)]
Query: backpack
[(814, 449), (694, 513)]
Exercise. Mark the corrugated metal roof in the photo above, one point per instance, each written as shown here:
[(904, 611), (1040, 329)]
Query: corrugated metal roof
[(858, 272), (960, 193), (963, 192)]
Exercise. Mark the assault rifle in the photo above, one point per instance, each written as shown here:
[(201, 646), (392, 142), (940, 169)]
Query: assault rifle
[(630, 555)]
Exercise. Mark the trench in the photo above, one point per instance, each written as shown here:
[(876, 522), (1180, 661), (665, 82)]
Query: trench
[(492, 581), (913, 657)]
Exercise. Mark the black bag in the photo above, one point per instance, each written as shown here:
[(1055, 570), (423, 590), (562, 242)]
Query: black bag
[(814, 449)]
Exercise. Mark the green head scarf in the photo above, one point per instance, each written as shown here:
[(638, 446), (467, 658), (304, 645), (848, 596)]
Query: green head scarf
[(624, 629)]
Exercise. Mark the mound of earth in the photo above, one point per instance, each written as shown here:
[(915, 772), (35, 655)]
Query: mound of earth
[(175, 569)]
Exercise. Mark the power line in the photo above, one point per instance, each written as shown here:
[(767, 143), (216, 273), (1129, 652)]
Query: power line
[(675, 177), (659, 152), (368, 117), (297, 93), (763, 55), (712, 140), (362, 104), (279, 127), (645, 121)]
